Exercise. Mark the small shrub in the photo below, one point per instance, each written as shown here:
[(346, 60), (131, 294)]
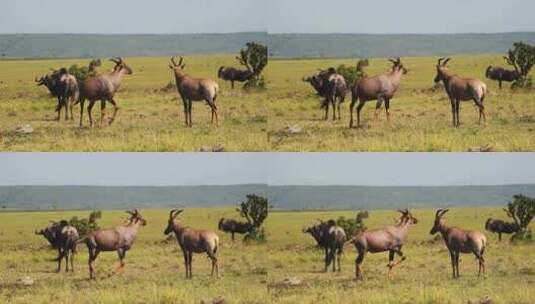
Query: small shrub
[(353, 226)]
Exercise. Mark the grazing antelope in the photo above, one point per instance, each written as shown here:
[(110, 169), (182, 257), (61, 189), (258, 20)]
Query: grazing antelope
[(194, 89), (193, 241), (233, 226), (332, 86), (460, 241), (500, 74), (120, 239), (499, 227), (461, 89), (103, 88), (389, 238), (380, 88), (232, 74)]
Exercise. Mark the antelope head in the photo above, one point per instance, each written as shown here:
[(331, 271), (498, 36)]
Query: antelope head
[(136, 217), (439, 221), (407, 217), (172, 216), (178, 68), (398, 66), (442, 69), (121, 66)]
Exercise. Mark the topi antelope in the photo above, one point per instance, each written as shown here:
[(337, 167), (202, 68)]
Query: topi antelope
[(194, 89), (461, 89), (389, 238), (193, 241), (103, 88), (460, 241), (380, 88), (120, 239)]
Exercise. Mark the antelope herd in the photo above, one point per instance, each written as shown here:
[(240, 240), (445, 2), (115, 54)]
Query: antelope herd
[(328, 84), (328, 236)]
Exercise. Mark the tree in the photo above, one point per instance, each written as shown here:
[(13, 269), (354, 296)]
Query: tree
[(255, 58), (81, 73), (353, 226), (255, 210), (522, 58), (522, 211), (86, 225)]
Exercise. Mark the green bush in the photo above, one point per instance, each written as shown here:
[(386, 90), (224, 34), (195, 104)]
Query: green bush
[(255, 210), (355, 225), (86, 225), (353, 74)]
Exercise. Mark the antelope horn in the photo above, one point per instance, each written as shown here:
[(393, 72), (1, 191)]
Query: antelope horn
[(440, 59), (114, 60), (129, 212), (446, 61), (180, 61), (173, 61)]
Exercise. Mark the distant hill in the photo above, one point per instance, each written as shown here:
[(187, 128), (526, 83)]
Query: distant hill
[(280, 45), (375, 45), (363, 197), (97, 46), (98, 197), (281, 197)]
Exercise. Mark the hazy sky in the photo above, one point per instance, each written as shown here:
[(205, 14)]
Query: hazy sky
[(273, 168), (396, 16), (132, 16), (317, 16)]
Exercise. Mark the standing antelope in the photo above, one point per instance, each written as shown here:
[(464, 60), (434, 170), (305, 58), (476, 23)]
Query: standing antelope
[(332, 86), (193, 241), (103, 88), (64, 87), (380, 88), (64, 238), (501, 74), (194, 89), (389, 238), (120, 239), (461, 89), (459, 240), (233, 74)]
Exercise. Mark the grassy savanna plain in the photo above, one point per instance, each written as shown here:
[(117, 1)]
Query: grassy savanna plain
[(154, 271), (255, 273), (424, 277), (149, 119), (421, 115)]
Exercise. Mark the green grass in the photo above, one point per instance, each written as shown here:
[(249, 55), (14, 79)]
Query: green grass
[(148, 119), (152, 120), (421, 116), (154, 270)]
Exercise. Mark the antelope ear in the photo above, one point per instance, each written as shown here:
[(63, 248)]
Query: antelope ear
[(183, 66), (171, 67)]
